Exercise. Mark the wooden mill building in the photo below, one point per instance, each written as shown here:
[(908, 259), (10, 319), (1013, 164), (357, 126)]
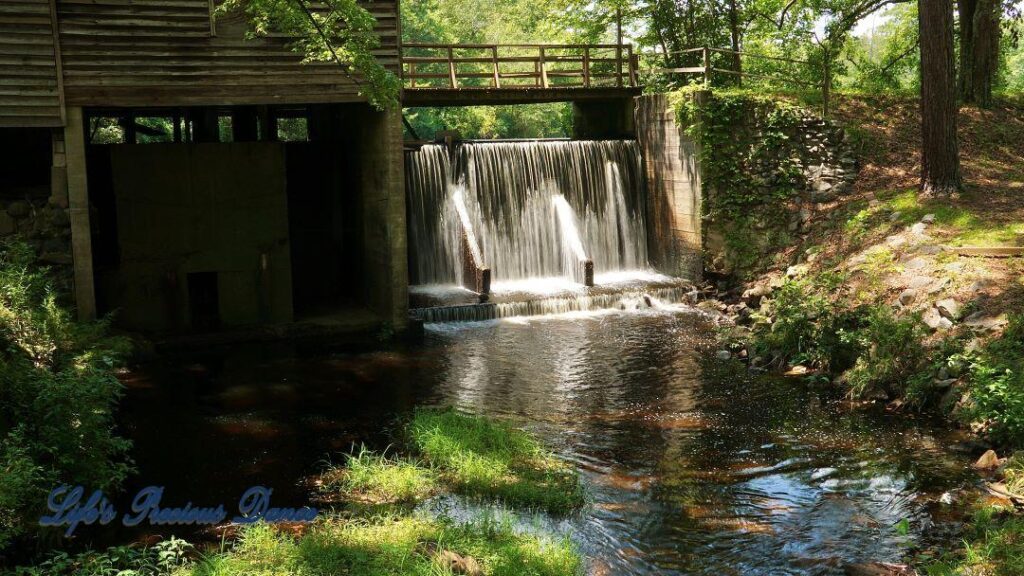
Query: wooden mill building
[(212, 180)]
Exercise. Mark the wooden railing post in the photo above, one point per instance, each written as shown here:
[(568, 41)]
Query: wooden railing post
[(632, 67), (586, 66), (543, 70), (707, 67), (497, 74), (412, 74), (451, 67), (618, 65)]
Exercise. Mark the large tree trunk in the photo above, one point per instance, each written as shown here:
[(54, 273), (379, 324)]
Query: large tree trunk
[(979, 49), (940, 157)]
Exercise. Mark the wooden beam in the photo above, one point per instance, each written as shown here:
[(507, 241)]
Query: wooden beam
[(78, 205)]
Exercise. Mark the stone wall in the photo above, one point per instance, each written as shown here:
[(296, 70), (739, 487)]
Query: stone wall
[(784, 180)]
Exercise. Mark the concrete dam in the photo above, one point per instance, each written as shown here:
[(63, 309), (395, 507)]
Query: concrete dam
[(528, 227)]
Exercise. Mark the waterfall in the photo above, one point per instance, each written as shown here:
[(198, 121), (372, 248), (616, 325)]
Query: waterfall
[(534, 209)]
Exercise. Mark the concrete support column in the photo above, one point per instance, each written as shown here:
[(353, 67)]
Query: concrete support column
[(382, 188), (674, 195), (78, 205)]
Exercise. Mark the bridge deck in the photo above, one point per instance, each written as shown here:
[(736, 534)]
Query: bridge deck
[(477, 74)]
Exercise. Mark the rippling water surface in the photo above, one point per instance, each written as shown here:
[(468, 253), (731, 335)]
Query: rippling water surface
[(693, 465)]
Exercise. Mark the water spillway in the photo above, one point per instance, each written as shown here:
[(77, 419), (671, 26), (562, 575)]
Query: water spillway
[(533, 210)]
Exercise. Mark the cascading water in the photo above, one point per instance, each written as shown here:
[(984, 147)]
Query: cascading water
[(535, 211)]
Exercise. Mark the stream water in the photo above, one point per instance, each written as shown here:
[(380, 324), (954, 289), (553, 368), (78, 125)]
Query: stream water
[(693, 465)]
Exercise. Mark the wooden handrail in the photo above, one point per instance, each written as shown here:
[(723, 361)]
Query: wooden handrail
[(553, 65)]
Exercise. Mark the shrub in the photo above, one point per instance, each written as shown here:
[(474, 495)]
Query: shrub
[(57, 395), (803, 323), (997, 384), (892, 351), (157, 560)]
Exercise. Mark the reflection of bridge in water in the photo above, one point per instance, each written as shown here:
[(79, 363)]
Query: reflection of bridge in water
[(477, 74)]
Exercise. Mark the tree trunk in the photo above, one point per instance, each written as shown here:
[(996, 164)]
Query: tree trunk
[(940, 157), (979, 49), (966, 9), (986, 49), (734, 33)]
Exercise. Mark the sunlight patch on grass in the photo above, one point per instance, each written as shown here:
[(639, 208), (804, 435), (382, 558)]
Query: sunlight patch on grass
[(480, 457), (376, 479), (389, 545)]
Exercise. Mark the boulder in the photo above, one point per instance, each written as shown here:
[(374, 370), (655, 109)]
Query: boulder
[(918, 229), (915, 264), (918, 282), (949, 308), (982, 322), (723, 355), (19, 209), (934, 320), (928, 218), (988, 461), (907, 297)]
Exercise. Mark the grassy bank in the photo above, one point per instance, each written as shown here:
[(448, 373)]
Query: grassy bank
[(372, 527)]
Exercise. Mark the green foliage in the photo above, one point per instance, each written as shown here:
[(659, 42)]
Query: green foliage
[(343, 33), (891, 350), (993, 546), (747, 160), (482, 122), (57, 396), (480, 457), (996, 381), (803, 323), (157, 560)]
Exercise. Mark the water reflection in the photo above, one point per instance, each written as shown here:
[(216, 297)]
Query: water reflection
[(694, 466)]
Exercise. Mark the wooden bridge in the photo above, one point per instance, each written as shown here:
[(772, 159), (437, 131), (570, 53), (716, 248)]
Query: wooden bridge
[(468, 74)]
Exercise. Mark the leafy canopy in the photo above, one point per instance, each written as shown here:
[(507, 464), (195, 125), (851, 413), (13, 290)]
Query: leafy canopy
[(341, 32)]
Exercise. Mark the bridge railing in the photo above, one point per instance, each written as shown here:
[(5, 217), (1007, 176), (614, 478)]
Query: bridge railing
[(705, 69), (511, 66)]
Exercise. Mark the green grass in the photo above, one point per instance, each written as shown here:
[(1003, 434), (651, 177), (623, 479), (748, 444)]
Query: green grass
[(484, 458), (390, 545), (969, 229), (375, 479), (993, 546)]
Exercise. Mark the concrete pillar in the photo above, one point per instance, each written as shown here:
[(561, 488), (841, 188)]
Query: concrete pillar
[(603, 119), (78, 205), (382, 189), (674, 195)]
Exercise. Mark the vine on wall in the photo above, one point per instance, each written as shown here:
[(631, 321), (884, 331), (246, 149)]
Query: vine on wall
[(758, 156)]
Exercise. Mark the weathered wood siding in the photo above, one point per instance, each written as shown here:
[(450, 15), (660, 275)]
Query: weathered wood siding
[(29, 65), (174, 53)]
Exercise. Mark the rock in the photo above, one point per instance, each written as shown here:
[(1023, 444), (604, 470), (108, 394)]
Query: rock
[(907, 297), (949, 308), (798, 370), (981, 322), (915, 264), (988, 461), (938, 285), (979, 286), (928, 218), (934, 320), (755, 293), (878, 569), (7, 225), (918, 229), (895, 241), (929, 249), (894, 217), (794, 271), (918, 282), (459, 564), (723, 355), (19, 209)]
